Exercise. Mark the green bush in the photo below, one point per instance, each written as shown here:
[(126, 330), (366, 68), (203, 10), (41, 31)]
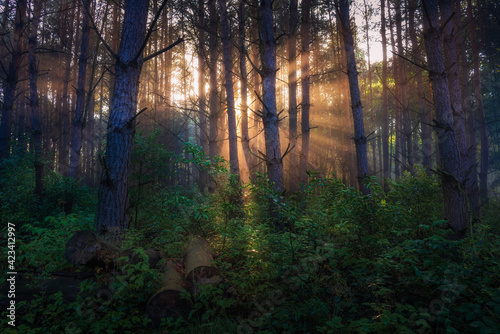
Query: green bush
[(342, 263)]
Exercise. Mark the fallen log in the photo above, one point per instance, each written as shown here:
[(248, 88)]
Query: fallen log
[(87, 248), (198, 262), (167, 301)]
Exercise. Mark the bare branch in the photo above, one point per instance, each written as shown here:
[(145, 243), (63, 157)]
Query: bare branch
[(150, 31), (151, 56), (94, 27)]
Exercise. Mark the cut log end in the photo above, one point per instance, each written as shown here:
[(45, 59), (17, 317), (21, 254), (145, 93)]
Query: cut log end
[(167, 301), (198, 260), (86, 248)]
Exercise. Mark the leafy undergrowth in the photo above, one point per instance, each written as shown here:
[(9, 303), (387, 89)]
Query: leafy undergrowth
[(343, 262)]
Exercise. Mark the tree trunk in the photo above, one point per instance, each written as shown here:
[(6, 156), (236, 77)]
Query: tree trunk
[(214, 97), (78, 121), (396, 157), (451, 65), (245, 136), (65, 114), (467, 100), (451, 171), (292, 94), (406, 143), (257, 105), (357, 108), (423, 113), (269, 110), (304, 73), (385, 100), (112, 213), (34, 101), (483, 173), (228, 75), (202, 100), (12, 80)]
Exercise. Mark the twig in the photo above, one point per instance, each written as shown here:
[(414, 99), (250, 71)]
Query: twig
[(150, 31), (135, 116), (94, 26), (157, 53)]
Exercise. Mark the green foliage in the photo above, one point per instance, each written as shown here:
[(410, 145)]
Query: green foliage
[(41, 244), (148, 172), (343, 263), (18, 202)]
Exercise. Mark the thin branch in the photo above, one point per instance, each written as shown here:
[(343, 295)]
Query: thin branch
[(178, 41), (135, 116), (411, 61), (150, 31), (94, 27)]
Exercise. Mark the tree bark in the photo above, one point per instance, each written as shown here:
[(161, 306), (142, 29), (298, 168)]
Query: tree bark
[(451, 170), (357, 108), (451, 65), (112, 213), (12, 79), (269, 110)]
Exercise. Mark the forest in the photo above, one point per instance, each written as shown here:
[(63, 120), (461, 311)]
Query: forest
[(250, 166)]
